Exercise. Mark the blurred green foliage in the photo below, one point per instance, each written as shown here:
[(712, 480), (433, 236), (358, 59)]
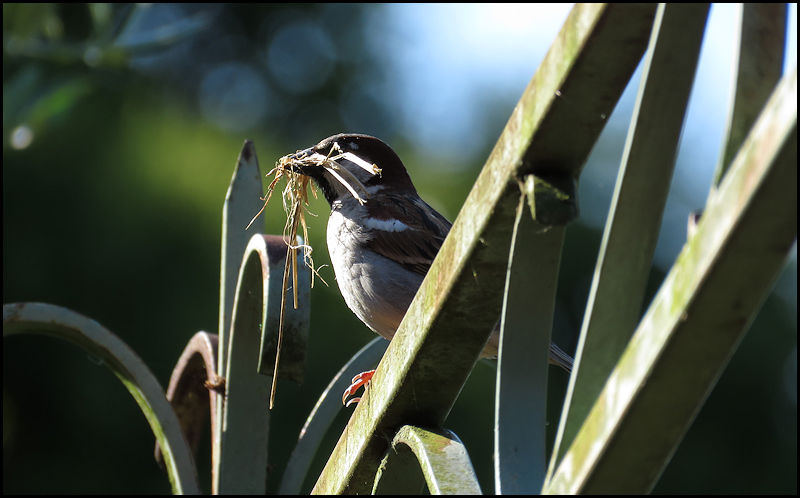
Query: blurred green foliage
[(118, 145)]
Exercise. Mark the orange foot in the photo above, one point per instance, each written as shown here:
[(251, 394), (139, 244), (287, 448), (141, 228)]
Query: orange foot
[(358, 381)]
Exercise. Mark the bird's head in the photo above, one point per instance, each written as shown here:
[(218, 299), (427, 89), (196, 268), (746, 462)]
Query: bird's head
[(352, 165)]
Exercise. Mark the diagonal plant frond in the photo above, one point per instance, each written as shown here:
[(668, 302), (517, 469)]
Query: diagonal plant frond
[(443, 462), (98, 341), (193, 389), (323, 414), (241, 201), (520, 457), (697, 318), (761, 39), (243, 433), (623, 265)]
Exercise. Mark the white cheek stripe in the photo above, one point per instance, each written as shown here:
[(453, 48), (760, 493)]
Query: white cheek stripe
[(390, 225)]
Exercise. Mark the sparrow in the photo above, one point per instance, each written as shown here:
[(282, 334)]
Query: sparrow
[(382, 237)]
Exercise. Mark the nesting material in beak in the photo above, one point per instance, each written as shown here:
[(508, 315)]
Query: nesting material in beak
[(295, 195), (303, 160)]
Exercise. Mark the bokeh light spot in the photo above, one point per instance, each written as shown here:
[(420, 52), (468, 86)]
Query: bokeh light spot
[(234, 96), (301, 57), (21, 137)]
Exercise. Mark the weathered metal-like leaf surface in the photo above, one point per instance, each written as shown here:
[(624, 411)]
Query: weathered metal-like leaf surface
[(55, 321)]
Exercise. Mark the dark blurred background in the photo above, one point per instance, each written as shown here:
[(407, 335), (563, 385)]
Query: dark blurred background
[(121, 127)]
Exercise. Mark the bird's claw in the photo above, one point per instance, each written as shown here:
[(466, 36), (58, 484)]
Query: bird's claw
[(359, 380)]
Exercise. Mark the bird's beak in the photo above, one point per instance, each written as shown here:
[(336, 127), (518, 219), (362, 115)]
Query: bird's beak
[(298, 162), (302, 153)]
